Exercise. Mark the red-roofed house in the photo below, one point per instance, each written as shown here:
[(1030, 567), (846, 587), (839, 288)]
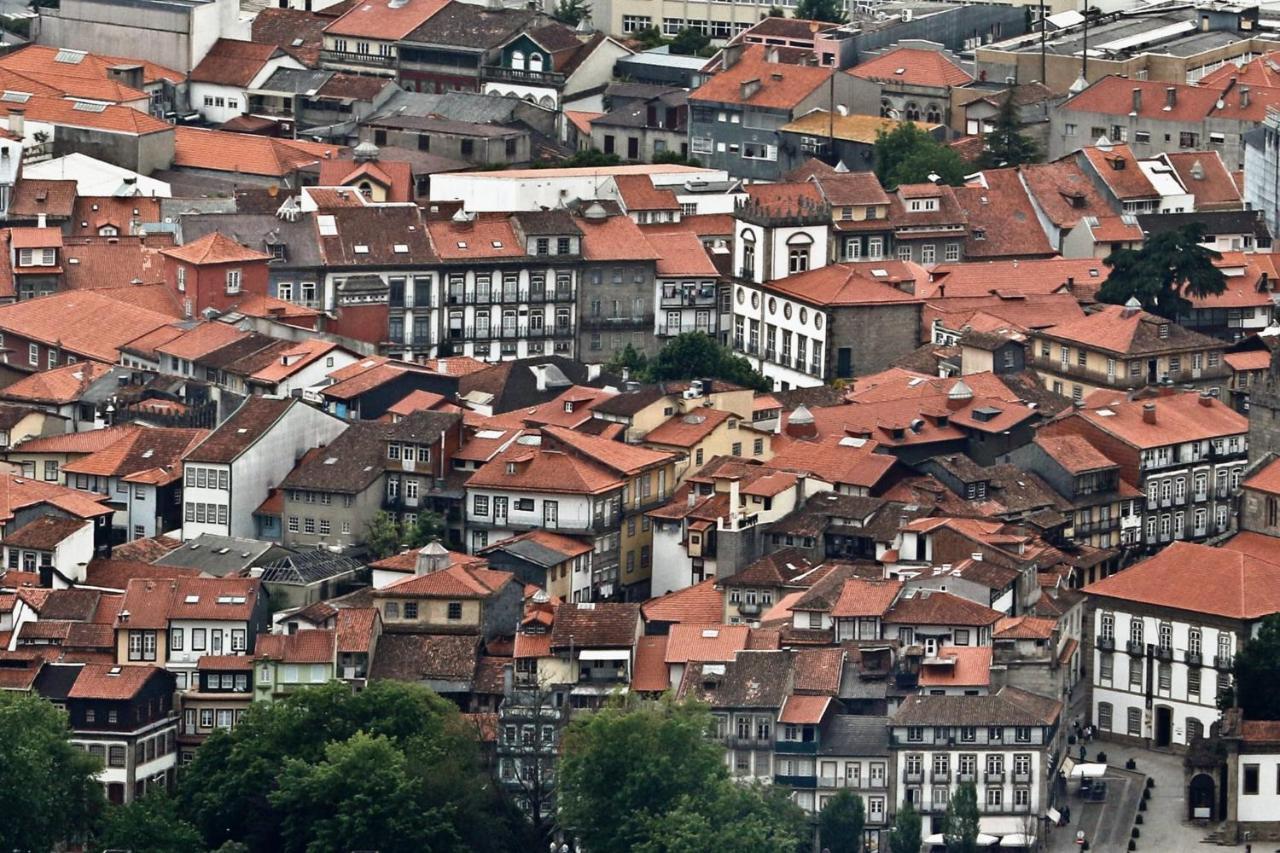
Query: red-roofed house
[(219, 86), (455, 598), (215, 272), (365, 39), (915, 81), (220, 693)]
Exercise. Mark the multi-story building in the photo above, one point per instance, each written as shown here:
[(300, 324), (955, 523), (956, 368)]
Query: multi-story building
[(216, 699), (1008, 744), (616, 293), (1165, 634), (929, 225), (508, 284), (174, 623), (915, 78), (1185, 452), (450, 49), (854, 754), (1122, 347), (688, 287), (366, 40), (551, 64), (440, 597), (284, 663), (735, 118), (124, 716), (581, 486), (229, 474)]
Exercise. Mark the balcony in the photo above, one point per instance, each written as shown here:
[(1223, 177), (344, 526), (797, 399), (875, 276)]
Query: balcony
[(641, 323), (674, 329), (940, 776), (993, 778), (796, 747), (373, 61), (1222, 662), (796, 781), (1105, 643), (913, 776), (1021, 776), (1135, 647), (1164, 653), (1103, 525), (966, 776), (1194, 659), (749, 742), (688, 298), (501, 296), (550, 79), (748, 608)]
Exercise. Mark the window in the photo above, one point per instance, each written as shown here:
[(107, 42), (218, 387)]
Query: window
[(1134, 722), (1249, 783), (198, 639), (1104, 716), (480, 505), (233, 281), (1106, 666), (411, 610), (175, 639), (115, 756), (33, 354), (455, 610)]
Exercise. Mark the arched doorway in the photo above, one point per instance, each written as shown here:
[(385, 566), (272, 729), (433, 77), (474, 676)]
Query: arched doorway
[(1164, 725), (1200, 798)]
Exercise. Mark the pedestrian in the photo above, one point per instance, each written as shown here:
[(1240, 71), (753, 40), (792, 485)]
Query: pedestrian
[(1066, 814), (1082, 752)]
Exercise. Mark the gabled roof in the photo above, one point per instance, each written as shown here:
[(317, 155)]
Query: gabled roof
[(839, 285), (58, 386), (150, 455), (221, 151), (385, 20), (246, 425), (714, 642), (1199, 579), (1266, 479), (700, 604), (89, 115), (1178, 418), (113, 683), (87, 323), (1129, 332), (1117, 167), (231, 62), (940, 608), (957, 666), (1009, 707), (595, 625), (456, 581), (312, 646), (151, 603), (910, 66)]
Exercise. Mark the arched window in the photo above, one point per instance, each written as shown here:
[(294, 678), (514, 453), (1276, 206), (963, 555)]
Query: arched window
[(535, 62), (547, 101), (798, 248), (366, 189), (913, 111), (933, 114), (886, 108), (517, 59), (1104, 716), (1135, 631), (748, 254)]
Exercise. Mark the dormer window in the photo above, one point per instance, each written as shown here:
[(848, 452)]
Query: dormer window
[(919, 205), (1164, 331), (511, 467), (568, 405)]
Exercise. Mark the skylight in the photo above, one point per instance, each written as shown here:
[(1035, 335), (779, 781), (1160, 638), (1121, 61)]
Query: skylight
[(327, 225), (71, 57), (462, 244), (15, 97), (89, 107), (401, 248), (192, 599), (361, 249)]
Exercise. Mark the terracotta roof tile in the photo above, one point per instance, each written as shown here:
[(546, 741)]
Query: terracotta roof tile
[(44, 533), (1074, 453), (965, 666), (230, 62), (66, 112), (86, 323), (215, 248), (700, 604), (456, 581), (221, 151), (104, 681), (1179, 418), (1266, 479), (594, 625), (386, 20), (714, 643), (911, 66), (1207, 178), (780, 86), (125, 565), (58, 386), (311, 646), (356, 628), (650, 674), (639, 193), (940, 608), (245, 426)]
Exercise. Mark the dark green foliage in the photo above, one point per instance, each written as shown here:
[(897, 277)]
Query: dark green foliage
[(905, 837), (1005, 144), (962, 820), (841, 822), (649, 37), (689, 42), (571, 12), (1167, 269), (1257, 672), (675, 157), (590, 157), (909, 155), (387, 535), (50, 793), (691, 355), (668, 790), (831, 11), (294, 775), (150, 824)]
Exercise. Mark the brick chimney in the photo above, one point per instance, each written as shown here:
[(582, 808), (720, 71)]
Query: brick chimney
[(1149, 413)]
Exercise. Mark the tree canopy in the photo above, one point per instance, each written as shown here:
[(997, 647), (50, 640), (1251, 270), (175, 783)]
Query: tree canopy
[(691, 355), (690, 42), (1257, 671), (1005, 144), (905, 837), (841, 822), (648, 779), (1170, 267), (149, 824), (571, 12), (962, 820), (909, 155), (326, 763), (387, 535), (46, 781), (831, 11)]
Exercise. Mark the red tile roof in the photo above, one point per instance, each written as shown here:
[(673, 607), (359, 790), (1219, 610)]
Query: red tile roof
[(1117, 167), (1179, 418), (310, 646), (614, 238), (1042, 276), (59, 386), (911, 66), (1207, 178), (779, 86), (105, 681), (17, 493), (650, 674), (356, 628), (1073, 453), (116, 573), (1124, 331), (387, 20), (639, 193), (1199, 579), (970, 666), (681, 253), (246, 425), (231, 62), (221, 151), (940, 608), (1267, 479), (804, 710), (1025, 628), (112, 118), (41, 63), (151, 603), (860, 597), (485, 237), (688, 430), (215, 248), (713, 643), (87, 323), (839, 284), (700, 604), (456, 581)]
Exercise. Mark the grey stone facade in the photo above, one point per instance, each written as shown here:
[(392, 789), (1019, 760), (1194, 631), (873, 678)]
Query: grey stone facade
[(875, 336), (615, 308)]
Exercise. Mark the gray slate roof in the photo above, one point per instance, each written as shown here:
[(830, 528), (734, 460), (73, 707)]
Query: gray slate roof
[(850, 734), (308, 567)]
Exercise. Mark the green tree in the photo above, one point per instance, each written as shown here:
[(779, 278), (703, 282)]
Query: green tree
[(427, 528), (629, 358), (775, 12), (227, 791), (1004, 144), (50, 793), (384, 536), (821, 10), (649, 37), (909, 155), (689, 42), (962, 820), (905, 837), (1170, 267), (150, 824), (626, 770), (694, 355), (571, 12), (361, 796), (1257, 671), (729, 818), (675, 157), (841, 822)]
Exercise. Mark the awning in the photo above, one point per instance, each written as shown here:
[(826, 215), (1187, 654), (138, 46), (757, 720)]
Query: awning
[(1054, 815), (1001, 825), (604, 654), (1017, 839), (985, 840), (936, 838)]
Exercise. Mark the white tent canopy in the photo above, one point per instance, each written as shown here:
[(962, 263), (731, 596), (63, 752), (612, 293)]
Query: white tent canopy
[(1017, 839), (1088, 771), (936, 838), (985, 840)]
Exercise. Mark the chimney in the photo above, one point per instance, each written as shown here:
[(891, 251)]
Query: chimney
[(1244, 97), (17, 121), (1170, 97), (801, 423), (431, 558), (1149, 413), (1206, 399), (734, 497), (42, 220), (1137, 100)]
